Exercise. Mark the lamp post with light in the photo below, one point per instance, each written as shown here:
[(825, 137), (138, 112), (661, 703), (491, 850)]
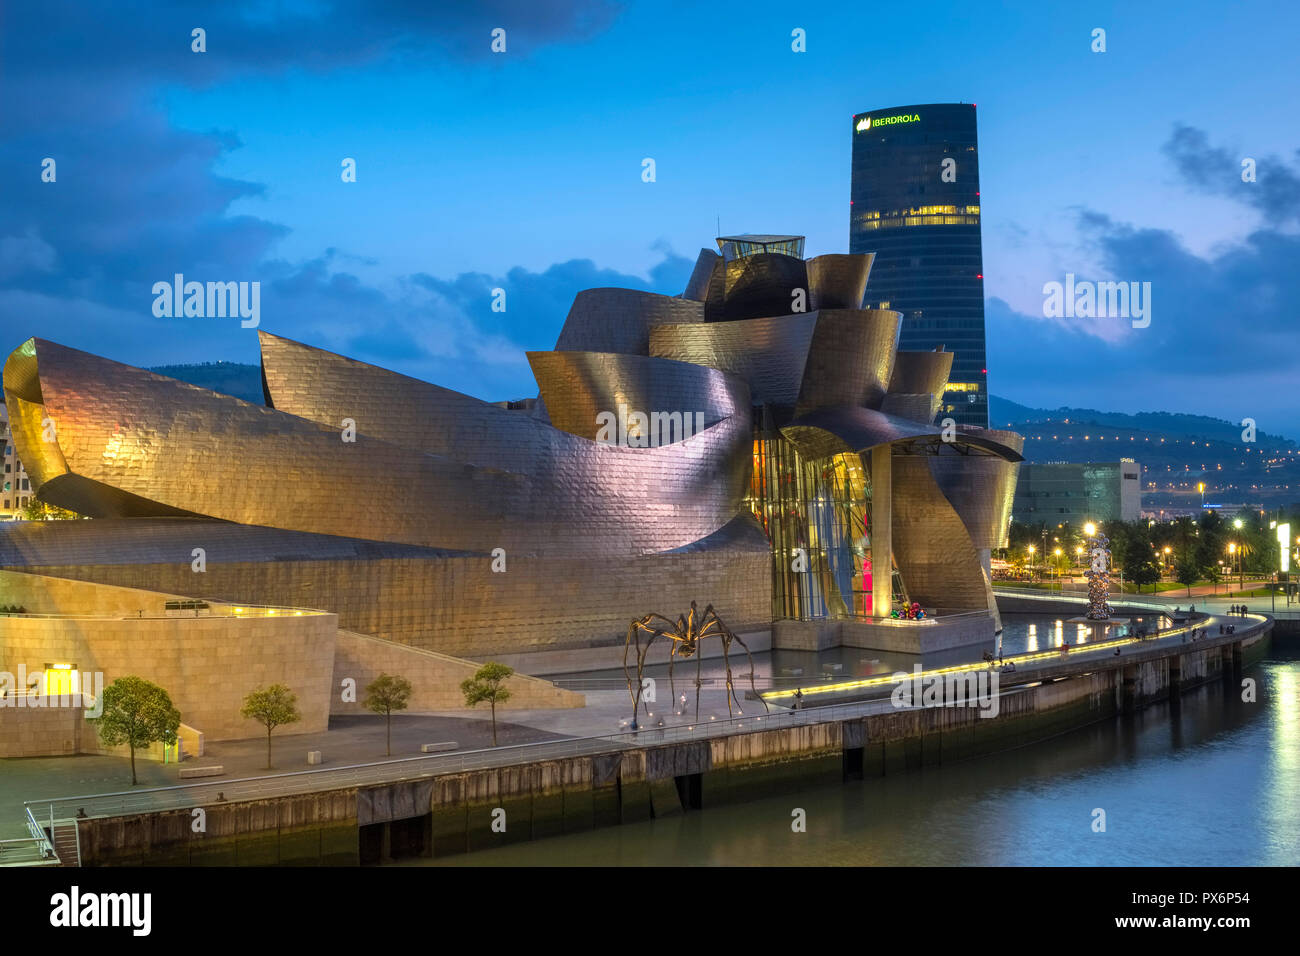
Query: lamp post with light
[(1241, 574)]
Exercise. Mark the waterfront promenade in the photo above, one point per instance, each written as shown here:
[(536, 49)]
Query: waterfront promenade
[(843, 702)]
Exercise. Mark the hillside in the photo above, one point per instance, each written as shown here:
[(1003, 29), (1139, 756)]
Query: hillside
[(1176, 452), (228, 378)]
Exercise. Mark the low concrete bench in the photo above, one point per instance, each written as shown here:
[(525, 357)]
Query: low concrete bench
[(439, 747), (313, 757), (202, 772)]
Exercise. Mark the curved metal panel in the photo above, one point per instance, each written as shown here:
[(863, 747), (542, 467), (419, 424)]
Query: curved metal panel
[(920, 408), (697, 287), (756, 286), (932, 547), (851, 358), (328, 388), (849, 428), (441, 600), (981, 488), (679, 398), (619, 320), (921, 373), (197, 451), (838, 281), (769, 354)]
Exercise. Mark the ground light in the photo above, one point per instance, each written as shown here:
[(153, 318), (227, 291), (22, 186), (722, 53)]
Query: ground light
[(886, 679)]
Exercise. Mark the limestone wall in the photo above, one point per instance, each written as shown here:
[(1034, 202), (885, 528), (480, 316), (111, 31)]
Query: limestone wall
[(435, 678), (458, 606), (206, 664), (43, 731)]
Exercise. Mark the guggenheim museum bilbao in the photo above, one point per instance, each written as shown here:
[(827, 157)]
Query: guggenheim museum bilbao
[(757, 443)]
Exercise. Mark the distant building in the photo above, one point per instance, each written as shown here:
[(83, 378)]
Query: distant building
[(17, 486), (915, 203), (1060, 493)]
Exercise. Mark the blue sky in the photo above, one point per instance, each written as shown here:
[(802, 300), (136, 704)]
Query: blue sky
[(523, 170)]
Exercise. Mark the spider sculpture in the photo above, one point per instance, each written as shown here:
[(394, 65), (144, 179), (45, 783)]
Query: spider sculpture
[(685, 633)]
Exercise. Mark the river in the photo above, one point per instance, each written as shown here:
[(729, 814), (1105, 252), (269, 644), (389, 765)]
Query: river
[(1213, 781)]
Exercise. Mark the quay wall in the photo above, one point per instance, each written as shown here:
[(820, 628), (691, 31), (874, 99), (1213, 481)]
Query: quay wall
[(455, 813)]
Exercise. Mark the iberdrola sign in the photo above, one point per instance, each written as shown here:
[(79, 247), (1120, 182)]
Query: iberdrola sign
[(867, 122)]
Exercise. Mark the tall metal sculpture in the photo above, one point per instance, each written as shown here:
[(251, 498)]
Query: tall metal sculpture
[(685, 633), (1098, 575)]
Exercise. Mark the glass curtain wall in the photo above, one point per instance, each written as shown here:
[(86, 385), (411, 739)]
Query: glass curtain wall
[(817, 515)]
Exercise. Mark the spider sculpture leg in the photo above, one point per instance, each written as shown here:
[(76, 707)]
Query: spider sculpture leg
[(635, 694), (715, 624), (699, 662), (726, 663), (712, 627), (645, 652), (751, 673), (672, 687), (634, 630)]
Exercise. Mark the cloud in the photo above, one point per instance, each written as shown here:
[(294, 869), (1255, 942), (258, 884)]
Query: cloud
[(136, 200), (1222, 335), (1218, 170)]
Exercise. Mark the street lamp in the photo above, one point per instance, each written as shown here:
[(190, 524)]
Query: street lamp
[(1234, 550), (1058, 569)]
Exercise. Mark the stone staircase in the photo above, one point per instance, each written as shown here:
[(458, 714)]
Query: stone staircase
[(67, 842)]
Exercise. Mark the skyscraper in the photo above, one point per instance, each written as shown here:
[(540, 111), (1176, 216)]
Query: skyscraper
[(915, 203)]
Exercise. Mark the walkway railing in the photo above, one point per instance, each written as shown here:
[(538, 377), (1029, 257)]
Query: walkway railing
[(1219, 603), (187, 796)]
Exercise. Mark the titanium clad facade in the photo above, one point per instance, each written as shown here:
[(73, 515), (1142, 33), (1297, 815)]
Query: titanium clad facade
[(981, 488), (925, 232), (583, 389), (487, 529)]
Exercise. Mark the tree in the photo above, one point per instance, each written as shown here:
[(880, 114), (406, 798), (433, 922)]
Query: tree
[(1139, 564), (137, 713), (385, 694), (486, 684), (272, 707), (1186, 573), (37, 510)]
